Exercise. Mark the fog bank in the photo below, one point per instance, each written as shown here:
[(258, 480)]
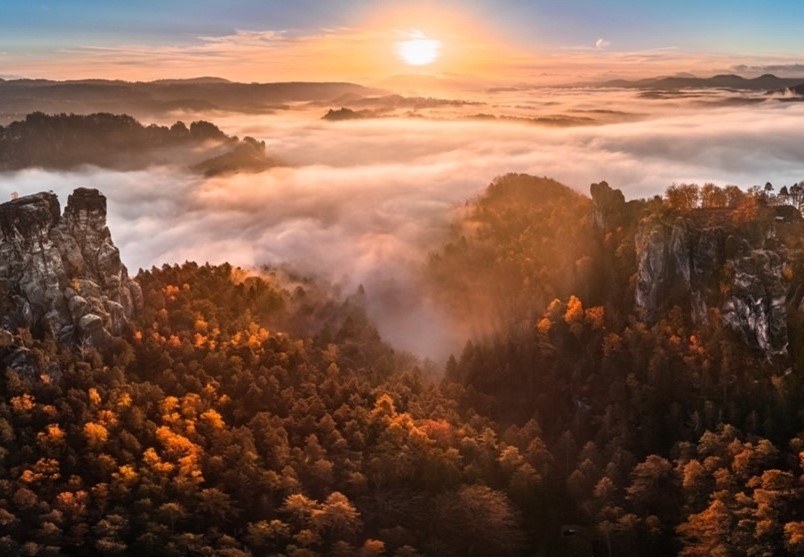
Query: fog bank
[(363, 202)]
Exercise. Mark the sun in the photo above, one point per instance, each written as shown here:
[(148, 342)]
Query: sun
[(419, 50)]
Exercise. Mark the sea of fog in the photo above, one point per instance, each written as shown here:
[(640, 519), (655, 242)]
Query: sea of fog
[(364, 201)]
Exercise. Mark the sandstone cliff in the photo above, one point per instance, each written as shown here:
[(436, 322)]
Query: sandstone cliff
[(702, 261), (699, 268), (60, 274)]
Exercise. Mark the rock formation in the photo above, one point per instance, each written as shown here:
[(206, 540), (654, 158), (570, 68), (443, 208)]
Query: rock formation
[(677, 263), (611, 210), (609, 206), (756, 306), (701, 260), (697, 268), (61, 275)]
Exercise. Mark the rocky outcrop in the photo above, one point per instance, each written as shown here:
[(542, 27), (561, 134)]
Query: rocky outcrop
[(61, 274), (756, 306), (609, 206), (697, 268), (611, 210), (678, 264)]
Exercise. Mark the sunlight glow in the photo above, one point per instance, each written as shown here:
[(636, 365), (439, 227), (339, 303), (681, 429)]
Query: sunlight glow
[(419, 51)]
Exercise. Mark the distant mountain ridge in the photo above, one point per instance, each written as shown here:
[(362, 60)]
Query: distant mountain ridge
[(722, 81), (21, 96)]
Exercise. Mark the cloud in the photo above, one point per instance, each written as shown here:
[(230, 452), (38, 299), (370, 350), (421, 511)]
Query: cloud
[(243, 38), (601, 44), (364, 202)]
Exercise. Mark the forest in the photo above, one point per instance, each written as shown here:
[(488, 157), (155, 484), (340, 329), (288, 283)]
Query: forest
[(254, 413), (66, 141)]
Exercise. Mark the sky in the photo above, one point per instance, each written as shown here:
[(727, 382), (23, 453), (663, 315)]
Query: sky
[(277, 40)]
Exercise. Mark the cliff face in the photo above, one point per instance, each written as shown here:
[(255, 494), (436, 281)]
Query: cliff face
[(757, 302), (60, 274), (684, 260), (698, 268), (677, 263)]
